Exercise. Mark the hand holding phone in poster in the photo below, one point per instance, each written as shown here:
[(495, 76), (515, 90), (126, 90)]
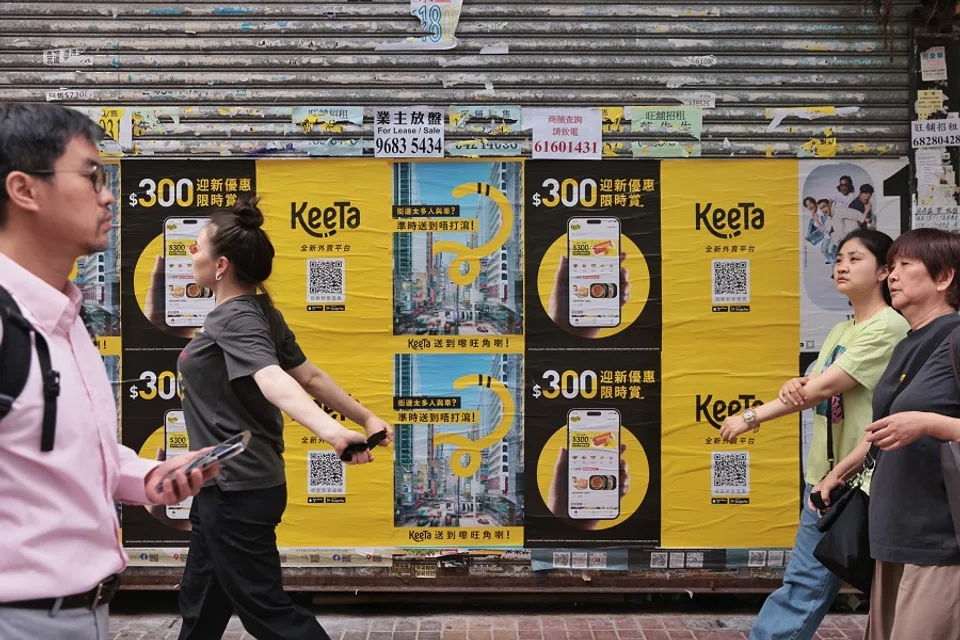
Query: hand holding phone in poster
[(162, 512), (591, 284), (591, 474)]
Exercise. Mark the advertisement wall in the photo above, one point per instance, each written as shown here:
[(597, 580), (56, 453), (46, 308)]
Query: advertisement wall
[(556, 343)]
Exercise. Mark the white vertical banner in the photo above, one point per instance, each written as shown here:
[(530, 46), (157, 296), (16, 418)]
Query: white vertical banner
[(878, 198)]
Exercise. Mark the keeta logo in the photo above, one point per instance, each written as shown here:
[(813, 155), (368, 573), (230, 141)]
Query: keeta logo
[(716, 411), (324, 223), (731, 222)]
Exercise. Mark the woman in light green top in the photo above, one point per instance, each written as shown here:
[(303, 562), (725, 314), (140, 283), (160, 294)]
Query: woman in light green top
[(851, 361)]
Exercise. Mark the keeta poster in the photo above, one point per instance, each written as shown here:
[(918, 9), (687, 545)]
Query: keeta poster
[(556, 343)]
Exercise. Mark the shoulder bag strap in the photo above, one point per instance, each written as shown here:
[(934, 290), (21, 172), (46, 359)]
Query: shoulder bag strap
[(16, 347), (830, 455)]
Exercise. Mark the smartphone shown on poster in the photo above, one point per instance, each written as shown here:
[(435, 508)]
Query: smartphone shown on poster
[(593, 464), (176, 442), (593, 259), (187, 303)]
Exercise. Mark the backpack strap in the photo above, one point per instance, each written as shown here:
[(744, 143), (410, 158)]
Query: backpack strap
[(16, 348)]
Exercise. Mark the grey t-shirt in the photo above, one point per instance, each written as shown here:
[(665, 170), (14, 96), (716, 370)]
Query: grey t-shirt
[(220, 397), (910, 520)]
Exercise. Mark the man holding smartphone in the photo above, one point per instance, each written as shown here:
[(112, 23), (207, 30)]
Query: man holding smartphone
[(60, 552)]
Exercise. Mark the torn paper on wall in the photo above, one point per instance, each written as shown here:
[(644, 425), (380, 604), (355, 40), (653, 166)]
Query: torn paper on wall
[(777, 115), (500, 48), (67, 58), (340, 147), (327, 119), (491, 120), (479, 147), (929, 102), (152, 119), (614, 119), (820, 146), (686, 121), (666, 149), (933, 64), (617, 150), (486, 120), (117, 122), (438, 18)]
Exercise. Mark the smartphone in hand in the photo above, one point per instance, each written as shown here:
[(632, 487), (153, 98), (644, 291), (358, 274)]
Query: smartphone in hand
[(227, 449), (357, 447)]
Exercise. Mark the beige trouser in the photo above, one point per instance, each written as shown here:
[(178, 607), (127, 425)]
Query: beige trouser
[(910, 602)]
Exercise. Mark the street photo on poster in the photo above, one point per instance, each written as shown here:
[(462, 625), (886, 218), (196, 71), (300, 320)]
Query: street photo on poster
[(836, 198), (458, 440), (457, 249), (98, 274)]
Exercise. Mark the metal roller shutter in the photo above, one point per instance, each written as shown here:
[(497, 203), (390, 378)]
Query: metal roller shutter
[(228, 77)]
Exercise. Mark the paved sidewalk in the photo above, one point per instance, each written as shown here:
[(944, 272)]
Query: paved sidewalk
[(518, 626)]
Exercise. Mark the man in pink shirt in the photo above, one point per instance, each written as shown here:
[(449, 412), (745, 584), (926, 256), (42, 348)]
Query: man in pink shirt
[(59, 549)]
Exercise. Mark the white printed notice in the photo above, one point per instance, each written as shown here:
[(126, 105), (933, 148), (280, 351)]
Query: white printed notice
[(929, 166), (946, 218), (566, 134), (935, 133), (933, 64), (409, 132)]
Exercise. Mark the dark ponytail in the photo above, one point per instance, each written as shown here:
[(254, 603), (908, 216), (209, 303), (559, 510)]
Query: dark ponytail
[(877, 243), (238, 236)]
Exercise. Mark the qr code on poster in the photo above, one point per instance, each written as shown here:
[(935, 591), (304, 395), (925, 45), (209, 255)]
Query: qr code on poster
[(561, 559), (325, 280), (730, 472), (731, 281), (325, 473), (658, 560), (757, 559)]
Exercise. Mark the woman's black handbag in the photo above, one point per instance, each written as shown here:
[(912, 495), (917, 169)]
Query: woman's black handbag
[(845, 546)]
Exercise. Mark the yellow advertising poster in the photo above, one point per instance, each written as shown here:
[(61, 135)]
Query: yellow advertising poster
[(730, 335), (381, 271)]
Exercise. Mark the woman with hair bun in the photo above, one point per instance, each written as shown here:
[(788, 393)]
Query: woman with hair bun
[(240, 370)]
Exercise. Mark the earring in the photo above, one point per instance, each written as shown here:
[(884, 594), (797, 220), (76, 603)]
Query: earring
[(218, 276)]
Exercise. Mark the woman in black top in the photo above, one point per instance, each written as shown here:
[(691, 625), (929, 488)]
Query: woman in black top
[(238, 372), (916, 587)]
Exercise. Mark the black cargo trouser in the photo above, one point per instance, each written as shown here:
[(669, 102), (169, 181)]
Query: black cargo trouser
[(234, 566)]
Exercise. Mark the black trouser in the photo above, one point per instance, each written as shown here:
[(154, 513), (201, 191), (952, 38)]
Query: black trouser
[(234, 565)]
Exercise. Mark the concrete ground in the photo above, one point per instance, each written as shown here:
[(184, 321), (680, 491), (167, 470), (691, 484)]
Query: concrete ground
[(493, 625)]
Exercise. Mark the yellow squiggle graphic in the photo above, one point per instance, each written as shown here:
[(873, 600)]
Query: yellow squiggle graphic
[(475, 448), (465, 254)]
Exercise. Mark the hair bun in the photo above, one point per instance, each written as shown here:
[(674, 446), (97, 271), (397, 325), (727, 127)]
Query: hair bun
[(248, 214)]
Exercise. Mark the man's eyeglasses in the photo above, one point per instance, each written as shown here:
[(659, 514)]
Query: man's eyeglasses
[(98, 177), (845, 184)]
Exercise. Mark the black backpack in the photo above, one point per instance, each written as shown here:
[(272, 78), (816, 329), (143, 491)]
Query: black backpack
[(16, 356)]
